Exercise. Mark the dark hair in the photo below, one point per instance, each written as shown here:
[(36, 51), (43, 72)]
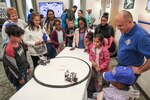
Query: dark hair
[(31, 23), (70, 19), (81, 11), (75, 6), (13, 30), (106, 14), (47, 21), (100, 37), (57, 20), (104, 17), (89, 36), (31, 10), (65, 11), (83, 19), (50, 10), (41, 16)]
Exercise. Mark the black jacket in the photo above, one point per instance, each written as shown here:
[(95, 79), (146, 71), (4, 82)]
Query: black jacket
[(15, 66), (106, 30)]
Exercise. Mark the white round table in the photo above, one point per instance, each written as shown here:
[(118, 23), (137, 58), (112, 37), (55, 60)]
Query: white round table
[(53, 74)]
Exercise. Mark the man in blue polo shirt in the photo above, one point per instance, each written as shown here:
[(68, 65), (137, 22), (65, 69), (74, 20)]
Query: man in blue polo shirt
[(134, 43)]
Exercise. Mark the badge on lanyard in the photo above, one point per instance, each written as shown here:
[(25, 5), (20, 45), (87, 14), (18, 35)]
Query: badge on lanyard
[(128, 42)]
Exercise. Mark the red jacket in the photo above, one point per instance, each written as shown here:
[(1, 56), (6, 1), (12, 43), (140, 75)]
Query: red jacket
[(54, 38), (104, 58)]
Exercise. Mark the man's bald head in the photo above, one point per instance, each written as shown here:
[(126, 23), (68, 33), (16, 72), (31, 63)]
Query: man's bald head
[(124, 21), (126, 15)]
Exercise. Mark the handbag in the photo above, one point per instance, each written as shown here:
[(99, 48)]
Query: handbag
[(40, 48)]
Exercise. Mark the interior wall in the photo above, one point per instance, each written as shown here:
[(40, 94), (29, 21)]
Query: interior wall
[(139, 8), (144, 79), (83, 6), (103, 3), (95, 5)]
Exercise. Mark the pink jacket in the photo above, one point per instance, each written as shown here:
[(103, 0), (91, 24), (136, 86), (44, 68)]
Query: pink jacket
[(104, 58), (89, 48)]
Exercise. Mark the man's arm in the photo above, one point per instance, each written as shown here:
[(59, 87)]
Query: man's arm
[(143, 46), (92, 22), (143, 68)]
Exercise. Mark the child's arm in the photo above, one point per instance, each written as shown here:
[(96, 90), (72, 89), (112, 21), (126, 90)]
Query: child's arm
[(100, 96), (64, 38), (106, 62), (97, 68), (74, 41), (27, 38), (92, 58), (94, 64), (75, 38)]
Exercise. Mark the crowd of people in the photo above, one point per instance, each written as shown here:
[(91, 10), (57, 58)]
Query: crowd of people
[(49, 37)]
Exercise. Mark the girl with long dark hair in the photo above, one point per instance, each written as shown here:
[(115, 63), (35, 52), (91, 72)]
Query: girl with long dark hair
[(49, 22), (34, 38)]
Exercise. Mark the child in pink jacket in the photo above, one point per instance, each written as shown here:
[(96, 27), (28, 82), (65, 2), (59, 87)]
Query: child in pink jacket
[(88, 42), (100, 58)]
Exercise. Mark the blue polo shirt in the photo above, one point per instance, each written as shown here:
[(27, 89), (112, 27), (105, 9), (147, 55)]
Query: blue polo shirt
[(133, 47)]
